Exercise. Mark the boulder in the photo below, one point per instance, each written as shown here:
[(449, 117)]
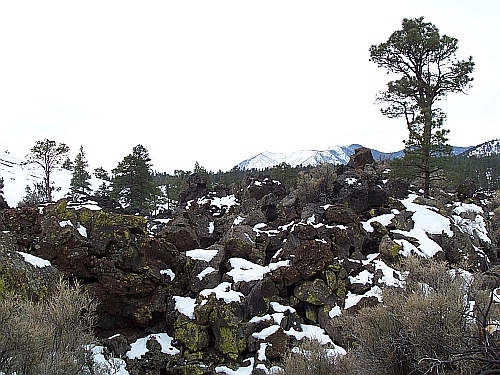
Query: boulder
[(25, 277), (388, 249), (360, 158), (466, 190), (315, 292), (196, 187), (340, 214)]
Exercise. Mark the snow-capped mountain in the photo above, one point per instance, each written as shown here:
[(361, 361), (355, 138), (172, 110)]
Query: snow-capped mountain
[(333, 155), (489, 148)]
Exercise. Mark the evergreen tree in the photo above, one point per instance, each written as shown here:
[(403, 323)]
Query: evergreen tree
[(50, 156), (427, 69), (101, 174), (3, 203), (80, 177), (34, 195), (133, 184)]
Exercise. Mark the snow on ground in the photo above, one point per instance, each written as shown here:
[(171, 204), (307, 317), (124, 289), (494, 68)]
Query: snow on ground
[(17, 177), (426, 221)]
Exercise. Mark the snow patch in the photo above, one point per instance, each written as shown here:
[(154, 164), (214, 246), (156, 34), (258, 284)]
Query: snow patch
[(138, 348), (34, 260), (202, 254)]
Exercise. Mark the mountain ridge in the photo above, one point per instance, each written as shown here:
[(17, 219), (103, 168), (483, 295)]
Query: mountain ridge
[(488, 148), (333, 155)]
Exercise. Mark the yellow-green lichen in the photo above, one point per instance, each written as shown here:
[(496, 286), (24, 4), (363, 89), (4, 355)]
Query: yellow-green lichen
[(62, 211), (193, 336), (229, 342)]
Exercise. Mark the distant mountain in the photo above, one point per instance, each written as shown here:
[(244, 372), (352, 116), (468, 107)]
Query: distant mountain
[(333, 155), (489, 148)]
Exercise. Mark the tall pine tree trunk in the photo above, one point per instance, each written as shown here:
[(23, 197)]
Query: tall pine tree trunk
[(426, 150)]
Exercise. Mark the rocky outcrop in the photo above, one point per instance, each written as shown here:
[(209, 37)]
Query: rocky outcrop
[(240, 274), (22, 274)]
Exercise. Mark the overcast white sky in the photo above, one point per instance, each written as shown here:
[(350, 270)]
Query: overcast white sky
[(220, 81)]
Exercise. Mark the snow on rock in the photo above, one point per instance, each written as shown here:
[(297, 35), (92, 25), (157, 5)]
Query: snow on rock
[(244, 270), (364, 277), (82, 230), (335, 311), (113, 366), (266, 332), (65, 223), (353, 299), (223, 291), (426, 221), (185, 305), (34, 261), (247, 370), (169, 273), (205, 272), (89, 205), (138, 348), (238, 220), (202, 254), (468, 217), (384, 219), (219, 202)]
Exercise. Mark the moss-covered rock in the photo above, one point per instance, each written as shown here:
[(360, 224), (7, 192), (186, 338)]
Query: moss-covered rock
[(388, 249), (193, 336), (228, 329), (315, 292), (20, 277)]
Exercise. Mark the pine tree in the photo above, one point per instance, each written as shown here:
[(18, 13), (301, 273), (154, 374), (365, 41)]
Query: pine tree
[(80, 177), (48, 155), (133, 184), (427, 70), (3, 203)]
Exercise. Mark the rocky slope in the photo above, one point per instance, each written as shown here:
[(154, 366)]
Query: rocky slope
[(239, 274)]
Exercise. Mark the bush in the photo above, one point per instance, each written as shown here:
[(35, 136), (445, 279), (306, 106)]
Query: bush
[(439, 324), (47, 337), (317, 184), (310, 357)]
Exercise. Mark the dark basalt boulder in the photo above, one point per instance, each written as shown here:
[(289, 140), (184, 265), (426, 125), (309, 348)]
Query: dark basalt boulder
[(361, 157), (196, 187)]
